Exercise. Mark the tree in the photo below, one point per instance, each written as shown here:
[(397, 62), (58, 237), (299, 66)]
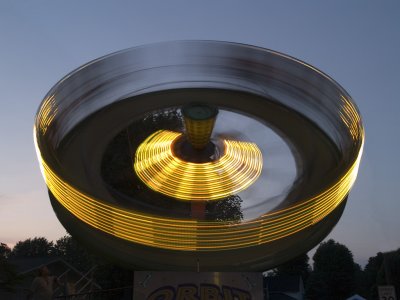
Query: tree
[(36, 247), (382, 269), (107, 274), (227, 209), (360, 281), (391, 265), (4, 250), (72, 252), (297, 266), (333, 275), (8, 275), (371, 270)]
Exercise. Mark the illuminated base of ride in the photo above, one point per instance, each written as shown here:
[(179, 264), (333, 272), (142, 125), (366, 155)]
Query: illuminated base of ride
[(141, 257), (164, 224)]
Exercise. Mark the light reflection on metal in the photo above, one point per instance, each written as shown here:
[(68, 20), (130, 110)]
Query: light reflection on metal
[(351, 118), (190, 235), (47, 113), (158, 167)]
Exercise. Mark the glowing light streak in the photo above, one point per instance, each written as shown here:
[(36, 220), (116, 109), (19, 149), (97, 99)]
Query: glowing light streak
[(351, 118), (47, 113), (188, 235), (157, 166)]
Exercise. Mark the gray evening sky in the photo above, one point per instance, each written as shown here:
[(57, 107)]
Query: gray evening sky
[(355, 42)]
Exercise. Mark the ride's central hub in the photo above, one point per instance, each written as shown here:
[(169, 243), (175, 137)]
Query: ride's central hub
[(195, 145), (184, 150), (190, 166), (199, 123)]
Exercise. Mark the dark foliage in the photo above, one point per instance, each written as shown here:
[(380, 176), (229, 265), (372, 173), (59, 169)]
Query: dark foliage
[(5, 251), (72, 252), (228, 209), (382, 269), (8, 275), (105, 273), (371, 270), (333, 275), (35, 247), (297, 266)]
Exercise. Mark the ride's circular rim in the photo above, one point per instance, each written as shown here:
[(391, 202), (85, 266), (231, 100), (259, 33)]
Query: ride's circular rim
[(59, 114)]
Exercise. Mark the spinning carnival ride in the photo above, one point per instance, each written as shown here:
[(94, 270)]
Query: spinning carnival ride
[(198, 154)]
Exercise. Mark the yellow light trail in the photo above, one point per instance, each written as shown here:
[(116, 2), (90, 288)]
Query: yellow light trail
[(157, 166), (189, 235)]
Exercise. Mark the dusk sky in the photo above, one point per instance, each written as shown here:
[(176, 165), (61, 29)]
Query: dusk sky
[(355, 42)]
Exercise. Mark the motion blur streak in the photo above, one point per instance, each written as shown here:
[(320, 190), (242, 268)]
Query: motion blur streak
[(192, 235), (158, 167)]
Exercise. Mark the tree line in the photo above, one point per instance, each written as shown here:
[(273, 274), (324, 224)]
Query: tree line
[(333, 273), (107, 274)]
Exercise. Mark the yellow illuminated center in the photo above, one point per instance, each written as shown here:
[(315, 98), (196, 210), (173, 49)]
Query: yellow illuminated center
[(162, 171)]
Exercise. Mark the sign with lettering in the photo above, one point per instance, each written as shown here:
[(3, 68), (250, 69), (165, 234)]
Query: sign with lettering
[(386, 292), (197, 286)]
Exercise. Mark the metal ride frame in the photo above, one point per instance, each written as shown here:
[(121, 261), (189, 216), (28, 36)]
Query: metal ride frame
[(157, 242)]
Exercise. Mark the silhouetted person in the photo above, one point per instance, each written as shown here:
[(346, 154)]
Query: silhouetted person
[(42, 287)]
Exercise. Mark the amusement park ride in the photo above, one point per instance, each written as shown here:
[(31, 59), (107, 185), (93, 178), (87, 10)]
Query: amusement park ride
[(198, 156)]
